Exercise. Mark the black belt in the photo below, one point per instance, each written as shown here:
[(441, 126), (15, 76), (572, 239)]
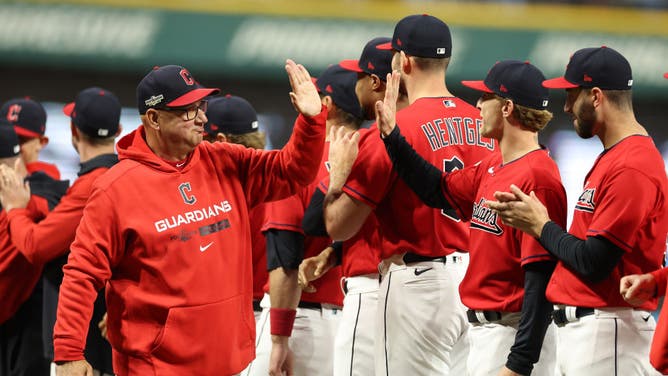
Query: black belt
[(256, 306), (309, 305), (490, 316), (559, 315), (410, 258)]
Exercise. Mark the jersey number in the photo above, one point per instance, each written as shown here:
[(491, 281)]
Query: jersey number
[(450, 165)]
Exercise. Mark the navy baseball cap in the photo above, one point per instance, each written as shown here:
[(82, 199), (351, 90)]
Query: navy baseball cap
[(373, 60), (169, 86), (96, 112), (421, 35), (600, 67), (26, 115), (9, 141), (339, 84), (230, 115), (516, 80)]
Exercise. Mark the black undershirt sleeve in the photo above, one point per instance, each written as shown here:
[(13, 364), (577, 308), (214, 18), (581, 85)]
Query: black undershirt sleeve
[(594, 258), (536, 316), (421, 176), (314, 222), (338, 251), (284, 249)]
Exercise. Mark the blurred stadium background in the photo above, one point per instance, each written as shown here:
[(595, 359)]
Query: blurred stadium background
[(52, 49)]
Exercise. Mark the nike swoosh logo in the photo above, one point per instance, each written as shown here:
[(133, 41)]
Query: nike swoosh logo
[(418, 272), (202, 249)]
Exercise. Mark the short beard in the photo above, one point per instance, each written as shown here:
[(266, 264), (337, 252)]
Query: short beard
[(585, 121)]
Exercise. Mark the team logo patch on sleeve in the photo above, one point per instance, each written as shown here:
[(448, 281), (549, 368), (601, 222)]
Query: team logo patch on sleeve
[(485, 219), (586, 201)]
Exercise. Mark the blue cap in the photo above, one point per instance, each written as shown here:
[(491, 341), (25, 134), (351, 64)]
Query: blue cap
[(26, 115), (339, 84), (373, 60), (9, 141), (421, 35), (516, 80), (600, 67), (96, 112), (230, 115), (169, 86)]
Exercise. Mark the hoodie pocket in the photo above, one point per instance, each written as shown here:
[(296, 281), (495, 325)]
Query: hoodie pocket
[(210, 339)]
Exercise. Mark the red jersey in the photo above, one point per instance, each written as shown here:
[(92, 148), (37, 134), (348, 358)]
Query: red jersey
[(494, 279), (287, 215), (361, 253), (260, 274), (173, 247), (18, 275), (658, 354), (44, 241), (625, 200), (444, 131)]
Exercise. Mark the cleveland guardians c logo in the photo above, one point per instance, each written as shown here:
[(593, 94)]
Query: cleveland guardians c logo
[(184, 189), (187, 77), (13, 112)]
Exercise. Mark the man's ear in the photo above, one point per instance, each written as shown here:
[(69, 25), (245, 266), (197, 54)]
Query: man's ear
[(406, 62), (152, 119), (328, 102), (220, 137), (377, 84), (118, 132), (507, 108), (43, 140)]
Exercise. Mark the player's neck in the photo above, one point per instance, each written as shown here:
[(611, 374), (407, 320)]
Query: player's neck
[(517, 143), (616, 126), (88, 152), (426, 86)]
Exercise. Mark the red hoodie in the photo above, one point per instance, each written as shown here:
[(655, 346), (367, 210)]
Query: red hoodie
[(174, 250)]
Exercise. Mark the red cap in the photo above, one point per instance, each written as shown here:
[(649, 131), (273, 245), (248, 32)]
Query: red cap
[(559, 83), (665, 75), (351, 65)]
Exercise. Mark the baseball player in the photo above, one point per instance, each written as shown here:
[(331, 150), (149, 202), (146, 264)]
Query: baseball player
[(95, 115), (506, 298), (28, 118), (167, 231), (21, 347), (308, 349), (416, 239), (614, 232), (233, 119), (360, 255)]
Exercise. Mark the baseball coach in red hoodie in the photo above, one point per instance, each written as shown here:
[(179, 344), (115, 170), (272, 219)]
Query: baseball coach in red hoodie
[(166, 231)]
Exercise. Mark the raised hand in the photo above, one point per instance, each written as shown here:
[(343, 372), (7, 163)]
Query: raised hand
[(343, 149), (304, 95), (386, 110), (637, 288), (14, 193)]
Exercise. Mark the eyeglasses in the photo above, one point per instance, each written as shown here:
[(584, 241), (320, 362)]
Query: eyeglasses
[(189, 113)]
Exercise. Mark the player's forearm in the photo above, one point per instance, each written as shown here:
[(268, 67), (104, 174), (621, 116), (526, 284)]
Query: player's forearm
[(284, 289), (421, 176), (536, 316), (343, 215), (594, 258)]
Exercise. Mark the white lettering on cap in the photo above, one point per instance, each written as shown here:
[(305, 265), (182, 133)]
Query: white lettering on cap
[(254, 124), (103, 132), (17, 148), (155, 99), (630, 83), (440, 51), (545, 103)]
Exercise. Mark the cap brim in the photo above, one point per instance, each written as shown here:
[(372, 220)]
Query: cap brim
[(68, 109), (351, 65), (385, 46), (477, 85), (192, 97), (559, 83), (25, 132)]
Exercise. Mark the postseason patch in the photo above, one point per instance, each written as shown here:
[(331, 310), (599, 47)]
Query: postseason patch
[(155, 99)]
